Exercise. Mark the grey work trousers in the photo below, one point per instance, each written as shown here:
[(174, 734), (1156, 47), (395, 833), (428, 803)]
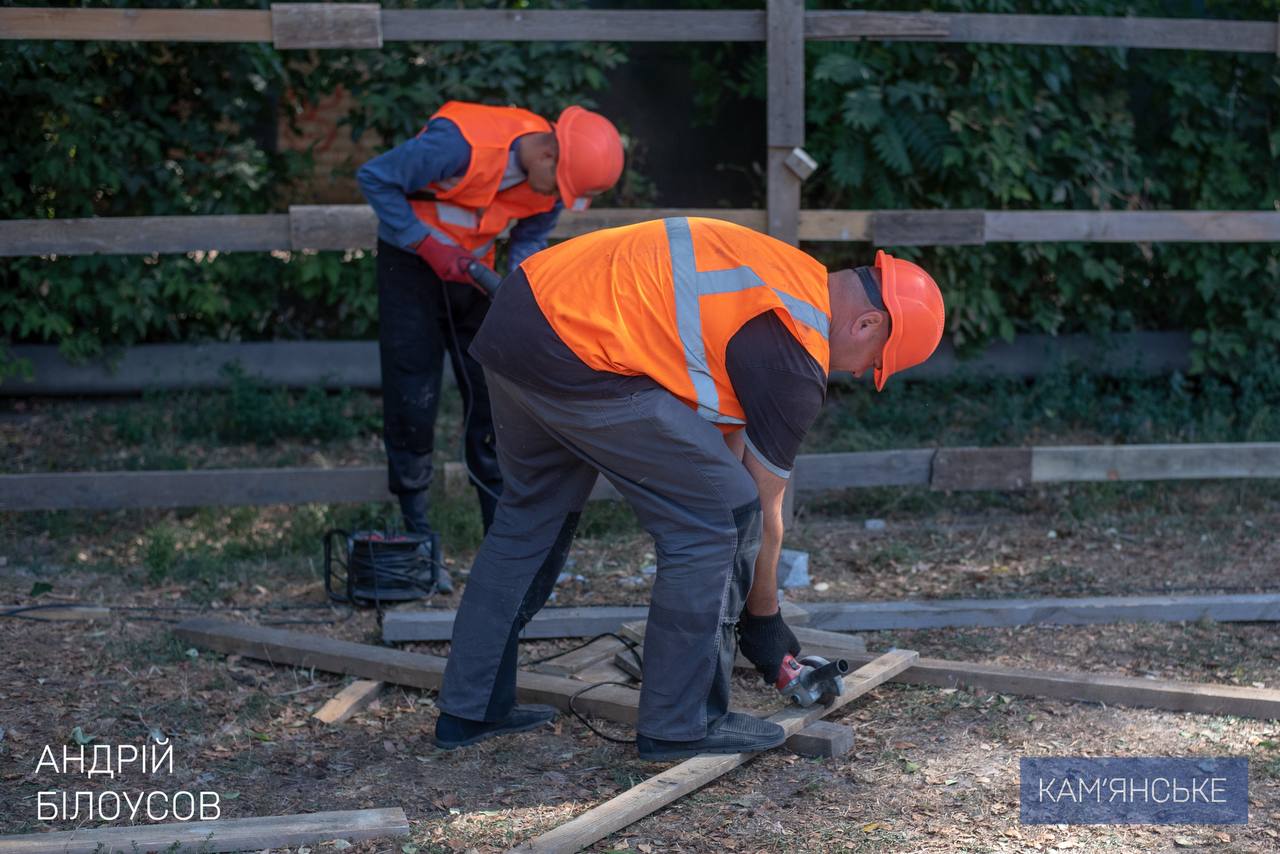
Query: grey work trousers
[(688, 491)]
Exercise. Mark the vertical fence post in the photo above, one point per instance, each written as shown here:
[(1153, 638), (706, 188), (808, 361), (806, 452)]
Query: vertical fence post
[(784, 47)]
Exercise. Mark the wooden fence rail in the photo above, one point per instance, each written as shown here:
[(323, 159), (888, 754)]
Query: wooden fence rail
[(323, 25), (337, 227), (354, 364), (939, 469)]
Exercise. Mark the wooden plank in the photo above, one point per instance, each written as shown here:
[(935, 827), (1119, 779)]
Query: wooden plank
[(1055, 611), (1103, 31), (1202, 698), (1067, 30), (835, 225), (603, 671), (981, 468), (332, 227), (1155, 462), (822, 472), (350, 701), (416, 670), (692, 774), (143, 235), (172, 367), (437, 625), (573, 224), (857, 26), (826, 643), (1133, 226), (205, 488), (928, 228), (354, 364), (326, 25), (73, 613), (139, 25), (784, 51), (629, 664), (822, 739), (660, 25), (232, 834), (571, 663)]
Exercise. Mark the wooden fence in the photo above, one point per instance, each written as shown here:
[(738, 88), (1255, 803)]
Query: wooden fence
[(320, 227), (784, 27), (943, 469)]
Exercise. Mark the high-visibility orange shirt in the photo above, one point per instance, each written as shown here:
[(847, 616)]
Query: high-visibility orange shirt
[(663, 299), (473, 211)]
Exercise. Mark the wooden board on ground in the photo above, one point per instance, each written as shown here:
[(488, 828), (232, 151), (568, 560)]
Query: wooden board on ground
[(603, 671), (1202, 698), (1058, 611), (351, 700), (692, 774), (398, 626), (67, 612), (600, 649), (233, 834), (416, 670), (822, 739)]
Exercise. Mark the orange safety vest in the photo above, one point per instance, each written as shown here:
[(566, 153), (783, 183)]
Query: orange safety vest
[(662, 299), (470, 211)]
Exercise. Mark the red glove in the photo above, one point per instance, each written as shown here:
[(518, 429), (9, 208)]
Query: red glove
[(450, 263)]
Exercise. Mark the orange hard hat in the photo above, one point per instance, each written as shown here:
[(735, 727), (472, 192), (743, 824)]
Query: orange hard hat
[(915, 311), (590, 156)]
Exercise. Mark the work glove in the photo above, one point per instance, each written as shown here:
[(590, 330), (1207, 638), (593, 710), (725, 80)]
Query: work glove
[(766, 641), (450, 263)]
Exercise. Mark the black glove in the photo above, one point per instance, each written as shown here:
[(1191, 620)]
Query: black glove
[(766, 641)]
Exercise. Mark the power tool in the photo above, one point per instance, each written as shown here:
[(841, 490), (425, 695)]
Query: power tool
[(484, 277), (811, 679)]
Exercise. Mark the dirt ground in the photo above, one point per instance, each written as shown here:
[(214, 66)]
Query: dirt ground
[(931, 770)]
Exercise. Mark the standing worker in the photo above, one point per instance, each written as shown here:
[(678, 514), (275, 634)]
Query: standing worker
[(683, 359), (443, 198)]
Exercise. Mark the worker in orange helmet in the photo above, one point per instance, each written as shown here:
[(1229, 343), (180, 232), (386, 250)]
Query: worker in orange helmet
[(684, 359), (443, 199)]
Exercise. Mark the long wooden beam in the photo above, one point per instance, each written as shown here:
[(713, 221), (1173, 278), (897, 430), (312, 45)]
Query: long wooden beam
[(953, 469), (1052, 611), (583, 622), (692, 774), (354, 364), (1201, 698), (231, 834), (334, 227), (378, 663), (311, 25)]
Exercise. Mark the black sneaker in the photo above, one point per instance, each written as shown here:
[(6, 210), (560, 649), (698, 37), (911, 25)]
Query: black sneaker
[(735, 733), (454, 732), (444, 581)]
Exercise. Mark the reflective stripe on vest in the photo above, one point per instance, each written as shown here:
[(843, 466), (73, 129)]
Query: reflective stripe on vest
[(690, 286)]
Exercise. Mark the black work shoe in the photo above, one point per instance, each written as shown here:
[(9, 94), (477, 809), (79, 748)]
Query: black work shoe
[(444, 581), (735, 733), (452, 731)]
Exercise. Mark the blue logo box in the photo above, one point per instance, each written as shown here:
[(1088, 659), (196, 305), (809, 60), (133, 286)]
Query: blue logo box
[(1140, 790)]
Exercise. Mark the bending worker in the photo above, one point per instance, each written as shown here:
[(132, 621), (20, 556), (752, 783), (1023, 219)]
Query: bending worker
[(442, 199), (683, 359)]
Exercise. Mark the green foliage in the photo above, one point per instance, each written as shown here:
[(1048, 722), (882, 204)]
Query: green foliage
[(154, 129), (986, 126)]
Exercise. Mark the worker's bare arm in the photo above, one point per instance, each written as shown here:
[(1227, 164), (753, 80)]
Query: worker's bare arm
[(763, 598), (737, 442)]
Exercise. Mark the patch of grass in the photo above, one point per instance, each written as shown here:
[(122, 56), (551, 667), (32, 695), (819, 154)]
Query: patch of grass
[(160, 649), (603, 519)]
